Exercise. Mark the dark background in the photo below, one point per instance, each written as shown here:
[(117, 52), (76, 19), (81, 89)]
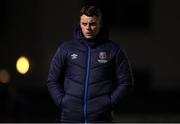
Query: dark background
[(147, 29)]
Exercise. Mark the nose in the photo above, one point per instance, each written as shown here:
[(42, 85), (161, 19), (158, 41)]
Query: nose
[(88, 27)]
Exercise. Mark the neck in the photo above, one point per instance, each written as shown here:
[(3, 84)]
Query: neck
[(91, 40)]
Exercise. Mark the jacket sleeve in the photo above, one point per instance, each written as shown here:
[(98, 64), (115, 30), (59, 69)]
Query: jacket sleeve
[(56, 76), (123, 77)]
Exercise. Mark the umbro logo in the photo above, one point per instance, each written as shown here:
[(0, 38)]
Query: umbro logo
[(74, 56)]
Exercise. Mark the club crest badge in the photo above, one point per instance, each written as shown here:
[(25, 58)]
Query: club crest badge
[(102, 57)]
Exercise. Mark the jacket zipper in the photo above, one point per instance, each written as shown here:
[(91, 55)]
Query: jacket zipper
[(86, 84)]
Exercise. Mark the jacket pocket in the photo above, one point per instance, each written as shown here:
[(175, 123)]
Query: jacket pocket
[(61, 103)]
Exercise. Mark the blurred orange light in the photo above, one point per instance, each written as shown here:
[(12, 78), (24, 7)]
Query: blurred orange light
[(4, 76)]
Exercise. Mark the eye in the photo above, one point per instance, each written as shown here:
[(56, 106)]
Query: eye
[(84, 24), (92, 24)]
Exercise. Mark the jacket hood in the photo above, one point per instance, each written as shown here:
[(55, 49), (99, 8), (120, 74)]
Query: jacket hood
[(103, 34)]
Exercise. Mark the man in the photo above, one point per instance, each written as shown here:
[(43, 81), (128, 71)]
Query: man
[(89, 75)]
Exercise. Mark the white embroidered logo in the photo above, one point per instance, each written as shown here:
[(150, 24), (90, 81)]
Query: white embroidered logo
[(74, 56), (102, 57)]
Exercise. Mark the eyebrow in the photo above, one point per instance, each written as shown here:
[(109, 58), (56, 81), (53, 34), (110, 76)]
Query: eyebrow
[(89, 23)]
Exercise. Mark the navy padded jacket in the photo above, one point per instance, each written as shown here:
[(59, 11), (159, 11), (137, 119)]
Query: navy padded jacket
[(87, 79)]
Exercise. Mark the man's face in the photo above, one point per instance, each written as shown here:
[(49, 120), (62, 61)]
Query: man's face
[(90, 26)]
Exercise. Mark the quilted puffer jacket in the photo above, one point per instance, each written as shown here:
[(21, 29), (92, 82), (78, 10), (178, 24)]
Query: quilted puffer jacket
[(87, 79)]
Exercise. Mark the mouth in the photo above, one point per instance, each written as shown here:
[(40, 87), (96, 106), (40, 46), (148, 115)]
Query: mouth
[(89, 34)]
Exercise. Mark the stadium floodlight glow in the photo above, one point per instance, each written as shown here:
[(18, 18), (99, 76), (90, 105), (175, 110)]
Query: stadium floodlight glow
[(4, 76), (22, 65)]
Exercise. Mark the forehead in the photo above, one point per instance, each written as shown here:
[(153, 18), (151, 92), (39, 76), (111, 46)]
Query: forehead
[(85, 18)]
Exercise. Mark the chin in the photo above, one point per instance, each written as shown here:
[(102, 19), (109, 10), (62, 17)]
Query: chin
[(89, 37)]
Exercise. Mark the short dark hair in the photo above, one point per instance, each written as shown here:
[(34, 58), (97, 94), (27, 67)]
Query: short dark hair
[(90, 10)]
